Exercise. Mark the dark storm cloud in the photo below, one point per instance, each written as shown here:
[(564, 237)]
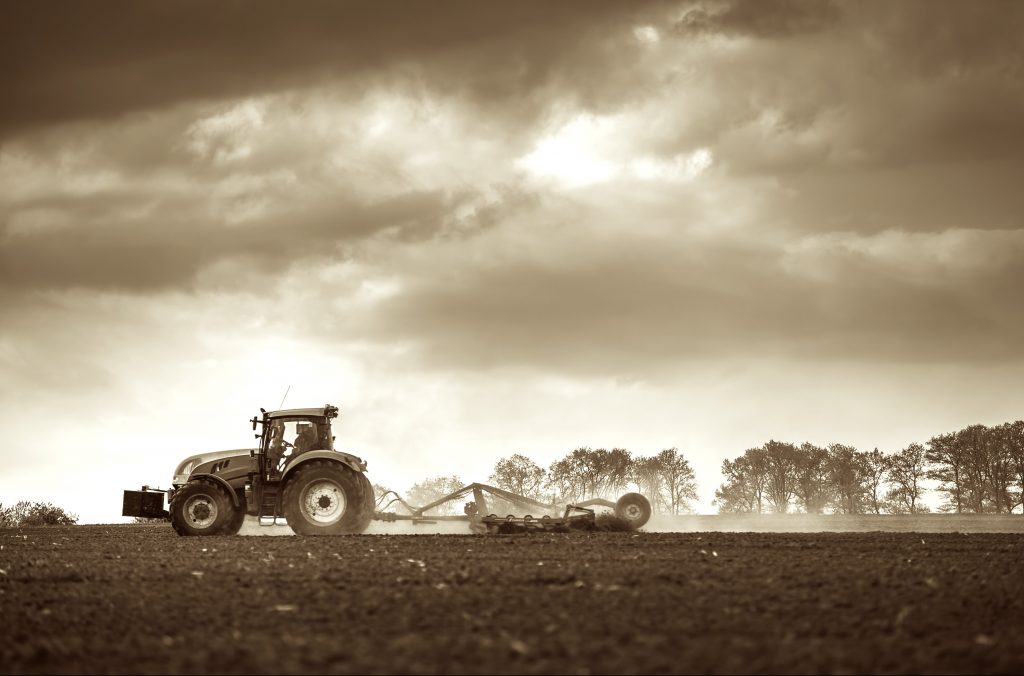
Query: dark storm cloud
[(945, 36), (640, 310), (760, 18), (68, 61), (107, 247), (929, 35), (871, 84)]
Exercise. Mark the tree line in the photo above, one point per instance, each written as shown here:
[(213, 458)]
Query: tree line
[(667, 479), (978, 469)]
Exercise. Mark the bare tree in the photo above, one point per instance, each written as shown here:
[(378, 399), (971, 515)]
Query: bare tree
[(591, 473), (812, 486), (1013, 434), (947, 460), (646, 474), (848, 474), (745, 482), (780, 462), (876, 469), (520, 475), (736, 494), (614, 469), (972, 443), (570, 477), (1000, 468), (428, 490), (906, 470), (677, 479)]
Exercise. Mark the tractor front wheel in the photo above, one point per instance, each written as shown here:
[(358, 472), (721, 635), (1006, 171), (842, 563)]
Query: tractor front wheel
[(323, 497), (237, 519), (202, 507)]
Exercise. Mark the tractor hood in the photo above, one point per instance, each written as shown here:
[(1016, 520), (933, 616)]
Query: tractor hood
[(185, 468)]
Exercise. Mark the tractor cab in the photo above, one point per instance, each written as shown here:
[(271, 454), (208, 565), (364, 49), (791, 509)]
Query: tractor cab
[(289, 433)]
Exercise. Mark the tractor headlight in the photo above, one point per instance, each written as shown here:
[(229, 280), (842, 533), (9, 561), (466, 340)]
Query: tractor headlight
[(183, 471)]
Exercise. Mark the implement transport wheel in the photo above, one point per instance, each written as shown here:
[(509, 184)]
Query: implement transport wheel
[(202, 507), (634, 508), (324, 497)]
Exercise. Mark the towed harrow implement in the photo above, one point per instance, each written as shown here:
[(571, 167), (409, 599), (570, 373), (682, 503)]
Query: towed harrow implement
[(632, 508)]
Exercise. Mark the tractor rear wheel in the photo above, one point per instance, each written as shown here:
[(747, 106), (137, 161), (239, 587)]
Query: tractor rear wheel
[(369, 501), (324, 497), (634, 508), (202, 507)]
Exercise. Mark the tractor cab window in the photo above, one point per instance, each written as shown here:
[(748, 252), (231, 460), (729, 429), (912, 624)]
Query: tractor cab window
[(290, 437)]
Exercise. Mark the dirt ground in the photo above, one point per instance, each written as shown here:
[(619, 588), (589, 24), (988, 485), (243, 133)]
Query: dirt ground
[(139, 599)]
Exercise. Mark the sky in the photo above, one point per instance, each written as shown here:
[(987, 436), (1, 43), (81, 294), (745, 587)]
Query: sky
[(492, 228)]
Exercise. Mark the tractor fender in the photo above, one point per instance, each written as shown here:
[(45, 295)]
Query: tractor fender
[(350, 461), (222, 482)]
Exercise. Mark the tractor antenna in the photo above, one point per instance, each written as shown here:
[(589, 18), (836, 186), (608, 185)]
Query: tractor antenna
[(285, 396)]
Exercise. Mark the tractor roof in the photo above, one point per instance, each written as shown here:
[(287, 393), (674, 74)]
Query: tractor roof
[(327, 411)]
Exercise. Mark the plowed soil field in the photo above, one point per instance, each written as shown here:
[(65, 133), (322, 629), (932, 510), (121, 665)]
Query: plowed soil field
[(131, 599)]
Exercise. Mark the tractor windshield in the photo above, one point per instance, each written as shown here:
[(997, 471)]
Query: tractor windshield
[(288, 437)]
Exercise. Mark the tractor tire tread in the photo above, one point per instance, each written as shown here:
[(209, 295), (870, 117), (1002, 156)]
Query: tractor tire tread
[(181, 494), (289, 500)]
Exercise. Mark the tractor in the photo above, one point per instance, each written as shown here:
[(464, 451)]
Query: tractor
[(293, 473), (296, 474)]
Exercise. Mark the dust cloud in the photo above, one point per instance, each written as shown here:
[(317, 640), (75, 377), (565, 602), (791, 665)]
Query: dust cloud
[(251, 526)]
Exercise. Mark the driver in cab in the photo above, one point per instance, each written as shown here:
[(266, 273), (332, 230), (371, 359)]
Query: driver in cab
[(275, 451), (306, 440)]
